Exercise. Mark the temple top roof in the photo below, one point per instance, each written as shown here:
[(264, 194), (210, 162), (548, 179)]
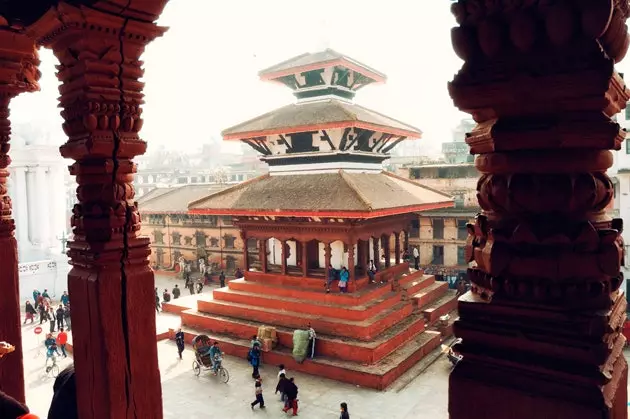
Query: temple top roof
[(337, 194), (319, 60), (317, 115)]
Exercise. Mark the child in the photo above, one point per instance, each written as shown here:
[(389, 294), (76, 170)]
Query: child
[(282, 380), (258, 391)]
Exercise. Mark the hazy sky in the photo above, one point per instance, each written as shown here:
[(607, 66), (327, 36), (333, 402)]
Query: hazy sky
[(201, 77)]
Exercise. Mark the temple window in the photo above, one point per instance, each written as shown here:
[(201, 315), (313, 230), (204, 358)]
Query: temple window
[(438, 255), (177, 238), (159, 237), (200, 238), (438, 229), (461, 255), (462, 231), (214, 242), (229, 241), (188, 240)]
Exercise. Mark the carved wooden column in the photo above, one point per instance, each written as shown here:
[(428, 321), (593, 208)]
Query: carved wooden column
[(406, 241), (327, 255), (385, 239), (18, 73), (245, 251), (375, 250), (262, 249), (397, 247), (305, 258), (541, 327), (283, 249), (110, 284), (351, 264)]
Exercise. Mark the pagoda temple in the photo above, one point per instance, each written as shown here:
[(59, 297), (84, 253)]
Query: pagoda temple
[(326, 201)]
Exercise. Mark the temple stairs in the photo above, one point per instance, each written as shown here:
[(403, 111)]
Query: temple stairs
[(368, 337)]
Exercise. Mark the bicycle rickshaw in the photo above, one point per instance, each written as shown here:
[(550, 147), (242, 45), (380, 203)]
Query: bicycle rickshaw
[(201, 345)]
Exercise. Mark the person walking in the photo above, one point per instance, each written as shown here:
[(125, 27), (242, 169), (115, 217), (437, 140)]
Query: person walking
[(344, 411), (65, 298), (52, 319), (43, 315), (66, 316), (222, 279), (176, 292), (166, 296), (36, 295), (62, 340), (190, 284), (292, 401), (254, 359), (157, 301), (281, 386), (416, 258), (179, 341), (45, 294), (258, 391), (311, 341), (30, 312), (60, 316)]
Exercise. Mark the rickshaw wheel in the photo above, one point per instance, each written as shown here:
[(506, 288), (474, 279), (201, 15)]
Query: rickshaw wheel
[(54, 370), (196, 368), (224, 374)]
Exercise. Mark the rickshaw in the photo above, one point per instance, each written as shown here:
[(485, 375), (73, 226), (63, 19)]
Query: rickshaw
[(201, 344)]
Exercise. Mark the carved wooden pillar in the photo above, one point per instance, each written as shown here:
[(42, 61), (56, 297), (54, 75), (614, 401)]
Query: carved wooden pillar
[(262, 249), (283, 249), (386, 250), (304, 258), (375, 250), (18, 73), (351, 265), (397, 247), (406, 241), (327, 255), (541, 326), (111, 284), (245, 251)]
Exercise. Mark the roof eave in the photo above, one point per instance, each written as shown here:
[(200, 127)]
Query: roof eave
[(373, 74)]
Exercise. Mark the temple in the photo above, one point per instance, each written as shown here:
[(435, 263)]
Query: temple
[(326, 202), (541, 325)]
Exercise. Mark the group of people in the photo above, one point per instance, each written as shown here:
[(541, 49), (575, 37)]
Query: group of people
[(58, 317)]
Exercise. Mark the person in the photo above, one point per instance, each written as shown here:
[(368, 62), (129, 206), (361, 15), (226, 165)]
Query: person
[(176, 291), (45, 294), (64, 401), (12, 409), (254, 342), (239, 274), (166, 296), (190, 284), (416, 258), (66, 316), (331, 276), (51, 348), (43, 315), (199, 286), (258, 392), (36, 295), (311, 341), (65, 298), (280, 387), (254, 359), (291, 391), (60, 316), (215, 352), (52, 319), (343, 279), (157, 301), (30, 312), (222, 279), (371, 271), (179, 341), (344, 411), (62, 340)]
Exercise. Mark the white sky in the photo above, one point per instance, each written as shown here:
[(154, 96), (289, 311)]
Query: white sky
[(201, 77)]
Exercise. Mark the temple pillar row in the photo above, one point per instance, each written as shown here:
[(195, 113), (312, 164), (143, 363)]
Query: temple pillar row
[(110, 283), (541, 326)]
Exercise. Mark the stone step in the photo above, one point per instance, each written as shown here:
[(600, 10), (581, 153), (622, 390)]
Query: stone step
[(377, 376), (361, 330), (418, 283), (446, 329), (363, 296), (430, 293), (329, 346), (440, 307), (341, 311)]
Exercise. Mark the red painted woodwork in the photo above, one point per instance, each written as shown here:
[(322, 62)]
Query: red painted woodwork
[(541, 326), (111, 284), (18, 73)]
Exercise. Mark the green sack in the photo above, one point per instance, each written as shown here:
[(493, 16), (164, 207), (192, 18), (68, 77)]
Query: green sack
[(300, 345)]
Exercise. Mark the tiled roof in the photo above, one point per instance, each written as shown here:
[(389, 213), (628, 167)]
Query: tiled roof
[(153, 193), (367, 194), (311, 58), (176, 199), (320, 112)]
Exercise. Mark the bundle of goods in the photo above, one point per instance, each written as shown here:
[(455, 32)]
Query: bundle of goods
[(268, 337), (300, 345)]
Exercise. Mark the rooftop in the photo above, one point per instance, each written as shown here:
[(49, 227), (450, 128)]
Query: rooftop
[(163, 200), (312, 61), (317, 115), (341, 193)]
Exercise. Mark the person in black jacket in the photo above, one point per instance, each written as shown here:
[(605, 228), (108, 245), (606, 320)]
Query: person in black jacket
[(64, 402), (344, 411), (280, 387), (179, 340), (60, 316), (291, 391)]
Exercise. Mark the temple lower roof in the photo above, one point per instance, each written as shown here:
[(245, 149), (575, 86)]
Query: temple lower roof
[(176, 199), (316, 115), (337, 194)]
